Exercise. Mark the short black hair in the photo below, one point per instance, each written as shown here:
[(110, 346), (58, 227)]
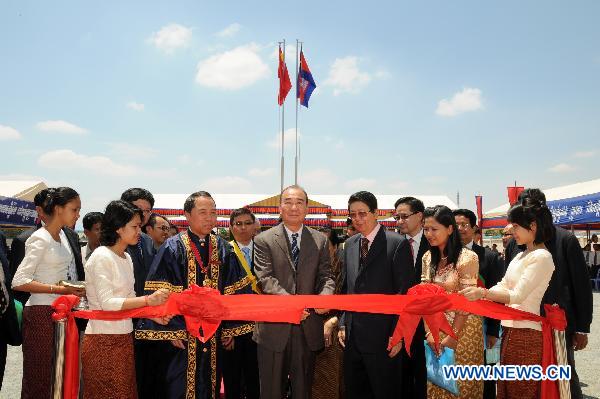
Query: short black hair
[(190, 201), (366, 197), (60, 196), (134, 194), (153, 217), (292, 187), (117, 214), (469, 214), (443, 215), (416, 205), (532, 210), (91, 218), (533, 193), (41, 197), (239, 212)]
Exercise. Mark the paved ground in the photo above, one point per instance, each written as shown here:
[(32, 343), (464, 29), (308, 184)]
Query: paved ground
[(587, 362)]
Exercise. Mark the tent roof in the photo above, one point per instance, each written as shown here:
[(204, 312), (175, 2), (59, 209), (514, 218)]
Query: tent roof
[(232, 201), (556, 193), (21, 189)]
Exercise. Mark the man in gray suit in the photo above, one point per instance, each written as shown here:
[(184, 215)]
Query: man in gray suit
[(291, 259)]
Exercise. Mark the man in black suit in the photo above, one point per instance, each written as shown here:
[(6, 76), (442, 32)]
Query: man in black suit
[(491, 269), (569, 287), (409, 218), (7, 311), (377, 262), (149, 381)]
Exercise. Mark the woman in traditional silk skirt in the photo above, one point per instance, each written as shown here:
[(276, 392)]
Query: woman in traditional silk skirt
[(453, 267), (523, 286), (47, 261), (107, 351)]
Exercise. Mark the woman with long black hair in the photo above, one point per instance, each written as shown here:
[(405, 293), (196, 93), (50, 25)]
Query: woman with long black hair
[(453, 267), (523, 287), (47, 261)]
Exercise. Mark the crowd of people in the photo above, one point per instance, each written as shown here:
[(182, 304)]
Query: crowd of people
[(135, 258)]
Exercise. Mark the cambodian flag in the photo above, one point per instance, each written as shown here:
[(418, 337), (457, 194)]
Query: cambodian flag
[(306, 83)]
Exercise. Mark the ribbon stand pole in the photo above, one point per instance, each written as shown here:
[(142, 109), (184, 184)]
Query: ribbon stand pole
[(59, 358), (560, 347)]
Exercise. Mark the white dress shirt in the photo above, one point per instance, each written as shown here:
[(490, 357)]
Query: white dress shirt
[(46, 261), (526, 280), (108, 282), (416, 244), (290, 232), (371, 236)]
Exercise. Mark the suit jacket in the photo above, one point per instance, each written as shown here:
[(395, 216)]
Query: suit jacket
[(570, 285), (142, 257), (277, 275), (17, 253), (388, 269), (492, 270)]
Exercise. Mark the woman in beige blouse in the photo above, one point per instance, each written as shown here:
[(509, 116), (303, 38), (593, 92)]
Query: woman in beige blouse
[(47, 261), (107, 351), (523, 286), (453, 267)]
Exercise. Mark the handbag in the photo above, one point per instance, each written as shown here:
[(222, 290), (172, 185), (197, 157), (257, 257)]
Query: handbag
[(434, 366)]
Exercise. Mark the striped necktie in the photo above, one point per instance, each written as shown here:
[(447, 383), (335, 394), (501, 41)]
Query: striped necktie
[(246, 252), (295, 249)]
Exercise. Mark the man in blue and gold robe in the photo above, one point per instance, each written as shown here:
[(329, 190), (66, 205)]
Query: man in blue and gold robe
[(190, 368)]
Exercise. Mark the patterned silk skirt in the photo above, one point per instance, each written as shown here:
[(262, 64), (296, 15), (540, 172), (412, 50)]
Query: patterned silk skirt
[(468, 351), (38, 346), (328, 381), (108, 366), (520, 346)]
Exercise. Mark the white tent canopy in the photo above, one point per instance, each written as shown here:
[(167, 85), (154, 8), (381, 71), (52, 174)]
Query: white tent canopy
[(21, 189), (556, 193)]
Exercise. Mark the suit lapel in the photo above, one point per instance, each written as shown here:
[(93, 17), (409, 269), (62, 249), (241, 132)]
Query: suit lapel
[(282, 241), (307, 247), (378, 245)]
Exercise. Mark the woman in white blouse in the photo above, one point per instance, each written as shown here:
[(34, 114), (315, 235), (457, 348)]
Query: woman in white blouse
[(107, 351), (47, 261), (523, 287)]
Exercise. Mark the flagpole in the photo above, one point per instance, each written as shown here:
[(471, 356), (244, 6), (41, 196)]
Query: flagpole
[(282, 130), (296, 153)]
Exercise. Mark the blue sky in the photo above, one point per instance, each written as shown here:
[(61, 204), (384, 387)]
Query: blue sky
[(413, 98)]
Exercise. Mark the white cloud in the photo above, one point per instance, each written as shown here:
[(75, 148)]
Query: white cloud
[(133, 151), (397, 186), (319, 181), (346, 77), (562, 168), (67, 160), (9, 133), (20, 176), (585, 154), (171, 37), (361, 183), (230, 31), (135, 106), (289, 139), (60, 126), (334, 143), (469, 99), (233, 69), (290, 56), (258, 172), (227, 184)]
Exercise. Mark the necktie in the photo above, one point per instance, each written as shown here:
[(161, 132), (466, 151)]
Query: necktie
[(246, 252), (412, 250), (295, 249), (595, 258), (364, 249)]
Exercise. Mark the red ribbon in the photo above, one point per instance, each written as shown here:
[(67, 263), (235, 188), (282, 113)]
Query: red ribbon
[(204, 308)]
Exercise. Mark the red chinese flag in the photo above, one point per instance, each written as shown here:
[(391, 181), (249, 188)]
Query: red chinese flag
[(285, 84), (513, 194)]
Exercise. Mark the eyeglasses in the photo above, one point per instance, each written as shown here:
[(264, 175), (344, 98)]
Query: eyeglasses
[(399, 216), (240, 224), (164, 228), (358, 215), (463, 225), (145, 211), (507, 235)]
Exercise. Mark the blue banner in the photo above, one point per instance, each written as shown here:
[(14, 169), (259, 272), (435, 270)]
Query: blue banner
[(17, 212), (576, 210)]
